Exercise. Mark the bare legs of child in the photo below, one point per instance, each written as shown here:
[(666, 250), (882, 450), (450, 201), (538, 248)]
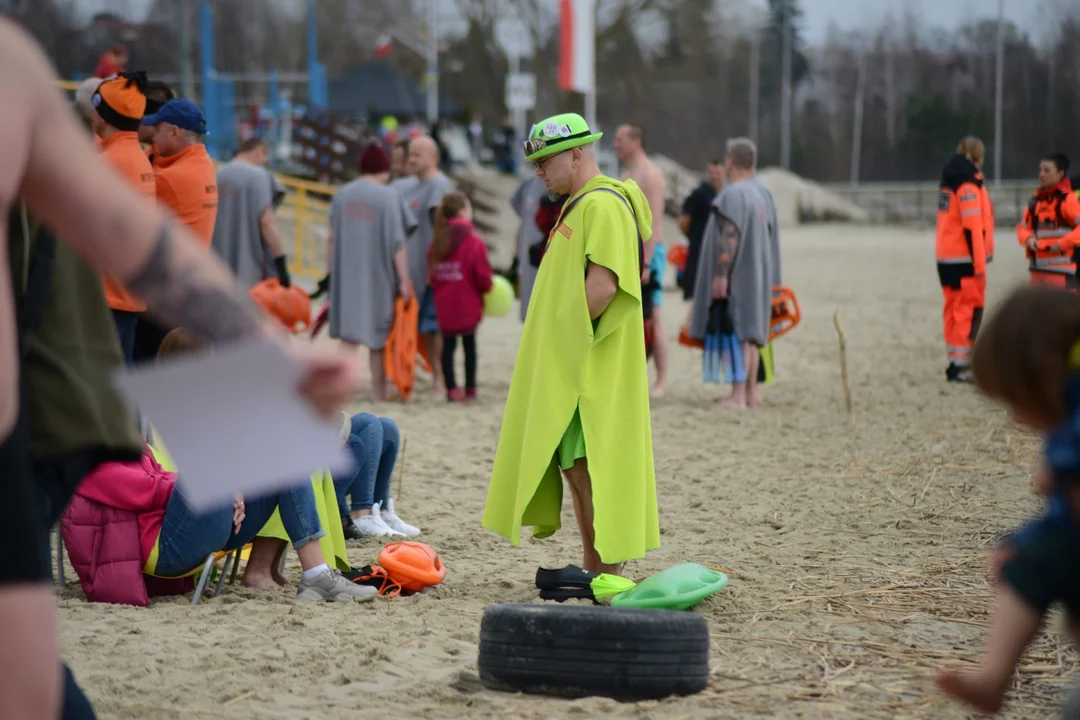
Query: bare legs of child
[(660, 355), (1012, 626), (580, 484)]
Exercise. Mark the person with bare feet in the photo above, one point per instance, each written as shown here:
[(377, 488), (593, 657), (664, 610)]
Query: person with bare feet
[(1028, 358), (367, 266), (630, 149), (579, 396), (423, 191), (738, 267)]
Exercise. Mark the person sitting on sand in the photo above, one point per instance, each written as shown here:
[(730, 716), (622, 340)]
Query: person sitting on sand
[(374, 443), (175, 539), (579, 396), (1028, 357)]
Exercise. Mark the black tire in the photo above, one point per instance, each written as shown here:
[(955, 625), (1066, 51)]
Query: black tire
[(574, 651)]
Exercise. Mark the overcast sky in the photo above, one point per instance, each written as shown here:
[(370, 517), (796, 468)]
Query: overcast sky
[(819, 14)]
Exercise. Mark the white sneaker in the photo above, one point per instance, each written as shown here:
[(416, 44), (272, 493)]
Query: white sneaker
[(391, 519), (373, 525)]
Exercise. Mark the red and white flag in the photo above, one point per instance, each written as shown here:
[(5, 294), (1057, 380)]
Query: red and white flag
[(577, 45)]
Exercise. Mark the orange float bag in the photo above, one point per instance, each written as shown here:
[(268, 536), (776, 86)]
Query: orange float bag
[(399, 355), (785, 312), (784, 317), (289, 306), (412, 565)]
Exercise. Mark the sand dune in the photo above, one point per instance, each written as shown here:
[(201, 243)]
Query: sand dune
[(857, 557)]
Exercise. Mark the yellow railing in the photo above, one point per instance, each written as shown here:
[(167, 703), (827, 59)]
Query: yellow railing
[(307, 208)]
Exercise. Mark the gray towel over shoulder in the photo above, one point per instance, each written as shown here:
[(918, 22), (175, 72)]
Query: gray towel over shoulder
[(370, 223), (748, 205)]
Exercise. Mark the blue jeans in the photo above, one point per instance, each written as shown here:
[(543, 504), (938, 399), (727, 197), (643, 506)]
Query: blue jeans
[(374, 443), (187, 538)]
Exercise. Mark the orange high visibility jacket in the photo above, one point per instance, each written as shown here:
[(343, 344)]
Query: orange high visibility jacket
[(987, 218), (960, 244), (1053, 219)]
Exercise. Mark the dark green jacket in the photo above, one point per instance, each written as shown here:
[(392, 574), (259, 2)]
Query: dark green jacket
[(69, 354)]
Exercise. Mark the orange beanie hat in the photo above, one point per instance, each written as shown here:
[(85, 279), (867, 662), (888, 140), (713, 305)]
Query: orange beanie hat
[(121, 100)]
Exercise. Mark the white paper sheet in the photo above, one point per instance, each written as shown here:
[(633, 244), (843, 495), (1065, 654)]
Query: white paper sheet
[(233, 421)]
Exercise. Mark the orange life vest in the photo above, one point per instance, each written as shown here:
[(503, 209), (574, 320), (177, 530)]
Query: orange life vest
[(1052, 218)]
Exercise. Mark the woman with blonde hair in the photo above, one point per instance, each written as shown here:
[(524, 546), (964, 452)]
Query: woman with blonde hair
[(961, 249)]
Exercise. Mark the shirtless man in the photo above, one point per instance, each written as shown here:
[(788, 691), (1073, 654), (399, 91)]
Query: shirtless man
[(630, 149), (51, 165)]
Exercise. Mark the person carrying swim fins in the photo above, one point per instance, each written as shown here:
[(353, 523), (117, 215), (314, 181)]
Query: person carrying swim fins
[(1049, 229), (960, 249)]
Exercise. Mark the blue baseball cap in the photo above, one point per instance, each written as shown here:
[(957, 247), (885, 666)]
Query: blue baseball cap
[(184, 114)]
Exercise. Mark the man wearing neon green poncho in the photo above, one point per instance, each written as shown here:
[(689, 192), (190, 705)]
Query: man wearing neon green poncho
[(579, 398)]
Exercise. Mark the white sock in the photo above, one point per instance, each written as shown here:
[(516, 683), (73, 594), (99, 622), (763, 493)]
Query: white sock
[(315, 571)]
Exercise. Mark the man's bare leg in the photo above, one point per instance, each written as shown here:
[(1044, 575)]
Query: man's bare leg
[(660, 355), (433, 346), (752, 362), (30, 671), (378, 376), (261, 572), (581, 490)]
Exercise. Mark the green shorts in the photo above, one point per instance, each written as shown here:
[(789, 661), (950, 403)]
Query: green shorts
[(572, 445)]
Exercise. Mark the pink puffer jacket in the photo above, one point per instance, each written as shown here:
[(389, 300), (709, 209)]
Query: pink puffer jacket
[(103, 546)]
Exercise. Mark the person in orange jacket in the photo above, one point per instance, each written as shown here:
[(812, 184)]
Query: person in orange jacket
[(1050, 227), (961, 255)]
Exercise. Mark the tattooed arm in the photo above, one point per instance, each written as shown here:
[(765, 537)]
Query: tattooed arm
[(725, 255), (94, 209)]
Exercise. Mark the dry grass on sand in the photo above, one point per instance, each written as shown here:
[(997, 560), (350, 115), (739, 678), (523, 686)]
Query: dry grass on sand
[(857, 557)]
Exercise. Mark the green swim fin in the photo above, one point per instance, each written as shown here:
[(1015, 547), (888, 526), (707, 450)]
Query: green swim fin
[(604, 585)]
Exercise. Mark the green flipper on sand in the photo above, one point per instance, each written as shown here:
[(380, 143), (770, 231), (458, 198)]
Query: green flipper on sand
[(767, 363), (676, 588), (604, 585)]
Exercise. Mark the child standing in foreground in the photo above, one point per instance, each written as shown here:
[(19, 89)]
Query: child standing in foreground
[(460, 275), (1028, 357)]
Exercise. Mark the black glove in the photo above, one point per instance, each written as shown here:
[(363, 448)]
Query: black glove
[(536, 253), (322, 288), (282, 271)]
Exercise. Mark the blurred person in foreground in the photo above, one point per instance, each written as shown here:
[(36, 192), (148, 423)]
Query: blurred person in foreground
[(52, 167), (579, 396), (367, 261), (1028, 359), (696, 210), (119, 105), (738, 268), (1049, 230), (630, 149), (961, 252), (246, 235), (423, 191)]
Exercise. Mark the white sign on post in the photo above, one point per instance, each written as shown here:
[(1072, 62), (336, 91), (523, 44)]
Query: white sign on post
[(520, 91)]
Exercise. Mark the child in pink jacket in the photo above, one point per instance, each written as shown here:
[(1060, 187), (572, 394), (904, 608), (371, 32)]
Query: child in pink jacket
[(460, 275)]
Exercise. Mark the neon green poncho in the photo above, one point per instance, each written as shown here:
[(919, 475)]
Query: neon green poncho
[(563, 365)]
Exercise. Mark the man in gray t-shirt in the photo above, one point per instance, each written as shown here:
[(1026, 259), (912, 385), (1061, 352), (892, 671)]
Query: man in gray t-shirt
[(246, 235), (423, 191), (369, 224)]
